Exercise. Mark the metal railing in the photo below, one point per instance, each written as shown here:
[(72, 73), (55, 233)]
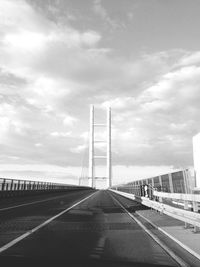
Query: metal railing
[(14, 187), (188, 213), (13, 184)]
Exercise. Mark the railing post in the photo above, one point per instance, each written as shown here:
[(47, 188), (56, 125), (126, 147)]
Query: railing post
[(18, 185), (24, 186), (3, 184), (171, 183), (160, 199), (161, 188), (11, 186), (195, 209), (186, 207)]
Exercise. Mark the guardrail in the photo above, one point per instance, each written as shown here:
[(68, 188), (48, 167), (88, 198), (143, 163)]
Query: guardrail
[(189, 217), (14, 187), (185, 197)]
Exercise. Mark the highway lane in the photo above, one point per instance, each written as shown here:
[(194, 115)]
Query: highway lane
[(163, 239), (97, 232), (9, 202), (29, 212)]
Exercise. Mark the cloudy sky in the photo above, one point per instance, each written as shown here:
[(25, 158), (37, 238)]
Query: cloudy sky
[(141, 57)]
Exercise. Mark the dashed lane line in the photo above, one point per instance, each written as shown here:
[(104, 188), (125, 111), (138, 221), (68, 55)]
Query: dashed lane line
[(30, 232), (180, 261)]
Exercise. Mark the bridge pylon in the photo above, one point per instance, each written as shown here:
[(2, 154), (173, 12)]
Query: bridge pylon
[(92, 141)]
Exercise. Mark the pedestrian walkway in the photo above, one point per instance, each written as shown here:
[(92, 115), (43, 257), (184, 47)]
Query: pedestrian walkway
[(175, 229)]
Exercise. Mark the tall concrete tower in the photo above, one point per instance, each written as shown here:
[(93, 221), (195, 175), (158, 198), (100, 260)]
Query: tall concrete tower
[(109, 154), (91, 148), (196, 158), (92, 141)]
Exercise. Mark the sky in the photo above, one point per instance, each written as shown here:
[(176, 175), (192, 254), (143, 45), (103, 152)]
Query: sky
[(57, 57)]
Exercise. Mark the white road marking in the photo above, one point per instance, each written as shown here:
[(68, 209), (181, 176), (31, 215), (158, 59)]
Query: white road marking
[(170, 236), (18, 239), (29, 203), (154, 237)]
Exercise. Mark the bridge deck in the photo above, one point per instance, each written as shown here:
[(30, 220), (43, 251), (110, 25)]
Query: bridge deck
[(95, 232)]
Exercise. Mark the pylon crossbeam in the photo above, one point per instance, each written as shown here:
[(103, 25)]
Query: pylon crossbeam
[(100, 157), (100, 125)]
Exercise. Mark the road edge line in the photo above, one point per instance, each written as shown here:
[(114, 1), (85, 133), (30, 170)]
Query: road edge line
[(192, 252), (173, 238), (23, 236), (175, 257)]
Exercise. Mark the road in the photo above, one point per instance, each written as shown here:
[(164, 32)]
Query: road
[(85, 228)]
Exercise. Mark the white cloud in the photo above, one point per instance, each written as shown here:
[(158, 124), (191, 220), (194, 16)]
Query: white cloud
[(78, 149), (25, 40), (27, 36), (117, 103), (69, 120), (38, 172), (156, 105), (51, 72), (91, 38), (190, 59), (85, 135), (4, 125), (164, 117), (38, 145), (19, 14), (100, 10), (61, 134)]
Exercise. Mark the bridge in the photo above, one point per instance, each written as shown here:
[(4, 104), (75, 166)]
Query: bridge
[(148, 222)]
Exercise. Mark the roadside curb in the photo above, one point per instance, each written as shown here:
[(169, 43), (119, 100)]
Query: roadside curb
[(170, 252), (170, 236), (192, 252)]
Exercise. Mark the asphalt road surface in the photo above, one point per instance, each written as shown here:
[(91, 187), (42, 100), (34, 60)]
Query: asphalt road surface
[(84, 228)]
